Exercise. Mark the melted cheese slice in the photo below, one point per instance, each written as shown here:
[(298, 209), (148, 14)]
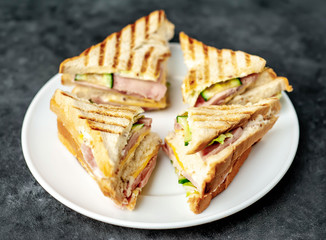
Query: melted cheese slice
[(133, 148)]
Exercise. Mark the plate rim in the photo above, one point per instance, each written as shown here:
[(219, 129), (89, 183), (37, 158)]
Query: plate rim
[(140, 224)]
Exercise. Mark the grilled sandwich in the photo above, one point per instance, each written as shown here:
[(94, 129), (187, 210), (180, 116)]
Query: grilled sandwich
[(114, 144), (223, 76), (127, 68), (210, 144)]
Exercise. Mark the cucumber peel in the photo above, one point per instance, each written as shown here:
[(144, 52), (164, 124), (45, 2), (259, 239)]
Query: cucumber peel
[(137, 126), (209, 92), (105, 79), (183, 121)]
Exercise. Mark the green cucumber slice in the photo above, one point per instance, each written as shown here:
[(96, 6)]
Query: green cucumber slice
[(105, 79), (183, 180), (137, 126), (183, 121), (209, 92), (108, 79), (80, 77)]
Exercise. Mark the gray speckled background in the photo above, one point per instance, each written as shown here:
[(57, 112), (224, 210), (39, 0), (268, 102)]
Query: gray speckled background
[(35, 36)]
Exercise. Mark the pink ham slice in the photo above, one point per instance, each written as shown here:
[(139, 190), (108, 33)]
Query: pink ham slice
[(146, 89), (177, 126), (134, 137), (134, 87), (146, 121), (143, 177), (90, 160), (220, 97), (217, 147), (217, 98)]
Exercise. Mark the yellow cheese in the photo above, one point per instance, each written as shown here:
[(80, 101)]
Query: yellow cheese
[(138, 171), (81, 137), (176, 155), (132, 150)]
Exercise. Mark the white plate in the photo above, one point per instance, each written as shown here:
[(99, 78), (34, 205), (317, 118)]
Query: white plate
[(162, 204)]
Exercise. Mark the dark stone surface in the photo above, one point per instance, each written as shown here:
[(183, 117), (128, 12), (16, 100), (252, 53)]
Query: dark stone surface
[(35, 36)]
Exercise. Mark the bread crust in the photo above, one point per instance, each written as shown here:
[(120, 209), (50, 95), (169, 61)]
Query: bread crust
[(212, 184), (105, 184), (205, 126), (83, 128), (208, 65), (138, 49), (199, 204)]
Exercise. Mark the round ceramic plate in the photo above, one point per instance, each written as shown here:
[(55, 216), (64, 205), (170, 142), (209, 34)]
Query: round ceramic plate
[(163, 203)]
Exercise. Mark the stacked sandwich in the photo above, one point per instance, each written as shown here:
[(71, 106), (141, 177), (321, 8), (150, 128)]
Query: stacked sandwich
[(127, 68), (234, 100), (223, 76), (210, 144), (114, 144)]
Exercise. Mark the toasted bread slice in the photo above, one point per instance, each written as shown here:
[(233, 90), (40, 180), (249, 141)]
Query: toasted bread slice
[(137, 51), (208, 65), (206, 123), (97, 135), (212, 175), (267, 85)]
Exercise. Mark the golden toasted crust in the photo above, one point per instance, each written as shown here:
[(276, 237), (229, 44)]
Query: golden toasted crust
[(82, 125), (208, 122), (208, 65), (213, 185), (73, 145), (153, 155), (267, 85), (138, 50), (98, 121), (198, 205)]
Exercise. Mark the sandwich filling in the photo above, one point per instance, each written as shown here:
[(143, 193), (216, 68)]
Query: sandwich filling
[(132, 176), (220, 93), (194, 169), (131, 86), (215, 145)]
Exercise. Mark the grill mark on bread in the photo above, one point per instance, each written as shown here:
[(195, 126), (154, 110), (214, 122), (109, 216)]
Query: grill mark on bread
[(117, 51), (160, 13), (158, 66), (248, 59), (191, 48), (132, 44), (102, 121), (105, 107), (102, 52), (95, 127), (104, 113), (226, 113), (146, 26), (220, 62), (67, 95), (86, 52), (206, 62), (234, 63), (118, 108), (146, 59), (159, 62), (220, 118), (192, 77)]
